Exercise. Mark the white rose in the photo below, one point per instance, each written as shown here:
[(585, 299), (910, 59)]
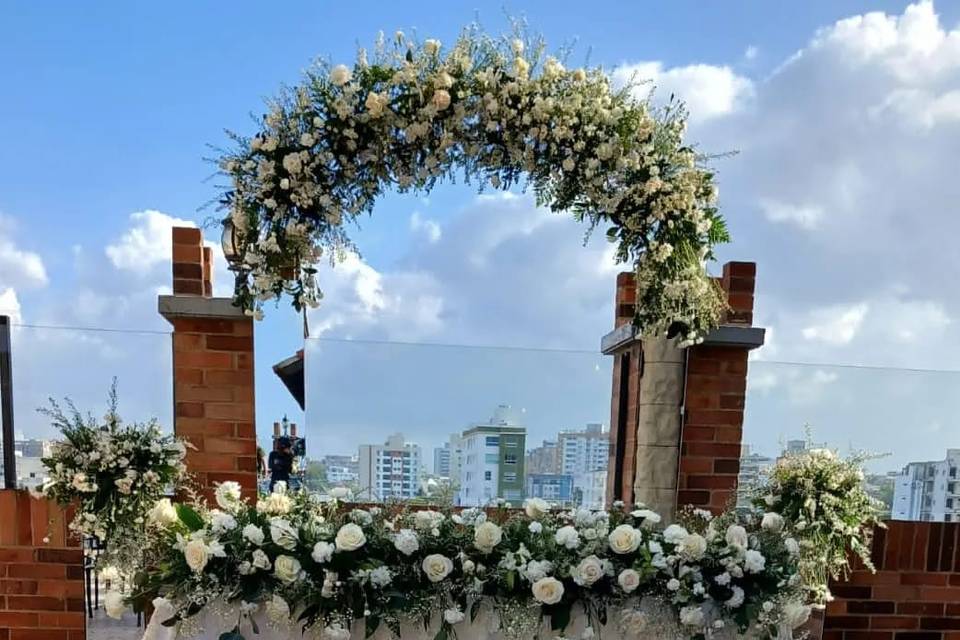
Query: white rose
[(453, 616), (624, 539), (220, 521), (649, 517), (567, 537), (283, 533), (114, 605), (163, 513), (253, 534), (196, 555), (163, 610), (286, 568), (431, 47), (792, 546), (275, 504), (536, 508), (674, 534), (796, 614), (322, 552), (340, 75), (589, 571), (628, 580), (535, 528), (376, 103), (693, 546), (772, 522), (440, 99), (547, 590), (486, 536), (737, 536), (261, 560), (437, 567), (426, 520), (350, 537), (753, 561), (227, 495), (673, 584), (736, 599), (691, 616), (406, 542), (468, 566), (722, 579), (517, 45), (579, 75)]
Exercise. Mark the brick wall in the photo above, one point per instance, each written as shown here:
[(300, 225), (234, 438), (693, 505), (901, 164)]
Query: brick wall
[(714, 403), (213, 371), (41, 583), (915, 593)]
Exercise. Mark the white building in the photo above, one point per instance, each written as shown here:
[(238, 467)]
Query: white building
[(493, 460), (753, 468), (447, 459), (28, 455), (584, 451), (389, 471), (590, 489), (928, 491)]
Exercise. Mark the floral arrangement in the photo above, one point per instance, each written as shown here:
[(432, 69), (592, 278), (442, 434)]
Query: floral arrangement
[(823, 498), (113, 472), (505, 114), (294, 560)]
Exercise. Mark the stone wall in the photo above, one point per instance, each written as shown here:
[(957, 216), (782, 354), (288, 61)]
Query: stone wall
[(41, 571)]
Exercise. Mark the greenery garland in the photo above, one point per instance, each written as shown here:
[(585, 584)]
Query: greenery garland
[(506, 115)]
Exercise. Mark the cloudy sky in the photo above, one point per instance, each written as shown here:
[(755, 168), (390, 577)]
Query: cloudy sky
[(836, 126)]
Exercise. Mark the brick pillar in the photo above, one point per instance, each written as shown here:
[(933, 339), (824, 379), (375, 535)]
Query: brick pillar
[(213, 377), (676, 416), (41, 571)]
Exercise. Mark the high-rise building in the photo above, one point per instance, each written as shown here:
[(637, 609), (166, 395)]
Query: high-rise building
[(753, 466), (544, 459), (389, 471), (584, 451), (552, 487), (28, 455), (590, 489), (447, 459), (928, 491), (493, 460)]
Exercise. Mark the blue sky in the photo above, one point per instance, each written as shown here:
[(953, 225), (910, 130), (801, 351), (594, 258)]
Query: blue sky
[(840, 193)]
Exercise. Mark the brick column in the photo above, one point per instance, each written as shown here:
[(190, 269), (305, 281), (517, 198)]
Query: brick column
[(213, 376), (676, 415), (41, 571)]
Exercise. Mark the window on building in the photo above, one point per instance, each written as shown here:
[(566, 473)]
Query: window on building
[(509, 476), (510, 458), (511, 444), (493, 441), (488, 475), (491, 458)]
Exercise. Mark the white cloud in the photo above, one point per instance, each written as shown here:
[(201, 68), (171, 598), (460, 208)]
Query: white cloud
[(836, 325), (804, 216), (147, 242), (18, 268), (751, 52), (10, 305), (709, 91), (429, 228)]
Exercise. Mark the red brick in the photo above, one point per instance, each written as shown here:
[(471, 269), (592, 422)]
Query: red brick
[(698, 434), (846, 622), (735, 269), (732, 401), (39, 634), (35, 603), (189, 410), (928, 579), (247, 463), (36, 571), (60, 588), (188, 376), (184, 254), (245, 430), (62, 556), (187, 236), (237, 378), (17, 619), (203, 426), (187, 287), (696, 465), (729, 435), (894, 622), (696, 498), (918, 608), (230, 343), (62, 620), (715, 417), (730, 465), (222, 410), (234, 446), (204, 360), (18, 554), (703, 401), (206, 325), (27, 587), (202, 393), (187, 271), (711, 482), (196, 460), (711, 449), (188, 342)]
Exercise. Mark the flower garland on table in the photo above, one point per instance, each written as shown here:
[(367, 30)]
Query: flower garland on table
[(322, 565), (506, 115), (114, 473), (823, 498)]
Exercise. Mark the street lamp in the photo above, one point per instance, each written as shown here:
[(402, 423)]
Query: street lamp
[(230, 241)]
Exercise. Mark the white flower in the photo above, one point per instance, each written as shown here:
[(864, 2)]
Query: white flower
[(468, 566), (322, 552), (693, 546), (624, 539), (453, 616), (253, 534), (196, 555), (536, 569), (655, 547), (673, 584), (547, 590), (691, 616), (736, 599), (486, 536), (517, 46), (336, 632), (535, 528), (792, 546), (649, 517), (350, 537), (380, 577), (589, 571), (292, 163), (767, 606), (628, 580), (277, 610), (567, 536), (536, 508), (339, 493), (275, 504), (307, 140), (114, 605), (431, 46), (437, 567), (521, 67), (440, 99), (795, 614), (376, 103), (286, 569), (227, 495), (426, 520), (163, 513), (568, 164), (406, 542), (674, 534), (579, 75), (340, 75), (633, 623), (220, 521), (283, 533), (722, 579), (737, 536), (753, 561), (772, 522), (163, 610), (260, 559)]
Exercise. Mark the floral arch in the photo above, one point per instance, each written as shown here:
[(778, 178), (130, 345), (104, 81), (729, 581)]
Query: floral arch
[(497, 112)]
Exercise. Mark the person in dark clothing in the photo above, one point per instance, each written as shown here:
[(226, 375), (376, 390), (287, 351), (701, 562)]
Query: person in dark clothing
[(280, 462)]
